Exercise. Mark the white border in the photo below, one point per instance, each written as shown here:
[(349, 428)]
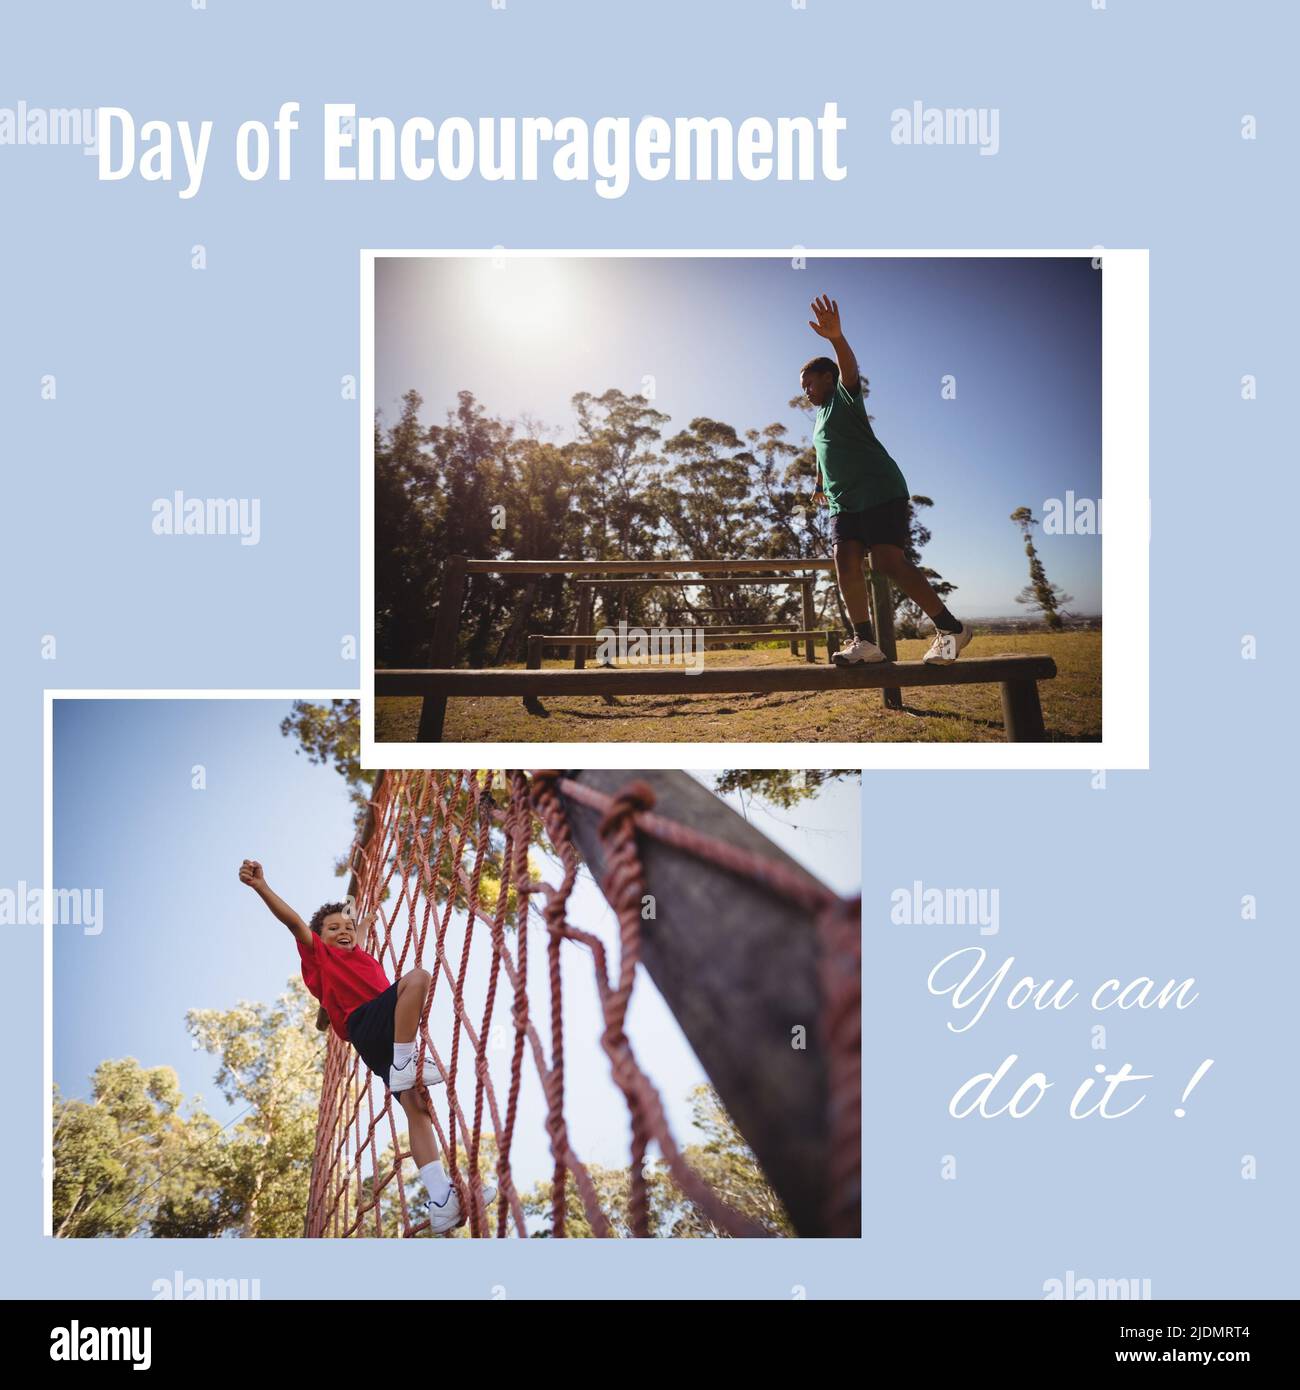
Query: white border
[(47, 859), (1125, 741)]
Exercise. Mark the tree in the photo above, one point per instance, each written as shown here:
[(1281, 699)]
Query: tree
[(128, 1154), (704, 497), (727, 1164), (784, 479), (616, 466), (613, 1192), (614, 432), (541, 489), (406, 539), (468, 453), (704, 492), (724, 1161), (481, 487), (1040, 592), (330, 735), (780, 786), (271, 1060), (132, 1161)]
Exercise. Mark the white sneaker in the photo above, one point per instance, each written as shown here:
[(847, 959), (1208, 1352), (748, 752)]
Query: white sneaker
[(448, 1216), (403, 1078), (947, 646), (859, 649)]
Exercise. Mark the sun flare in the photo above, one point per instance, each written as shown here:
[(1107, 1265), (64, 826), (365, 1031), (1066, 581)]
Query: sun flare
[(526, 299)]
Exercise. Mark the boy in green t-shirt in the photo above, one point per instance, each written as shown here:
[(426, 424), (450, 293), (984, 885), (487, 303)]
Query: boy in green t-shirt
[(870, 507)]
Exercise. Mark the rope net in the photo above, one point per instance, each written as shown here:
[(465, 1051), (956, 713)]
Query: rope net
[(439, 844)]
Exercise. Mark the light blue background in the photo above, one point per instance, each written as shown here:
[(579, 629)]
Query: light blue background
[(1141, 878), (1118, 127)]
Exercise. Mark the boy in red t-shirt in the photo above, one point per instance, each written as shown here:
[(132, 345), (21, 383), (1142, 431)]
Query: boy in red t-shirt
[(378, 1019)]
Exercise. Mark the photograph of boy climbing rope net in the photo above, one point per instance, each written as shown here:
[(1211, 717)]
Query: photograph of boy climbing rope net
[(748, 498), (416, 1004)]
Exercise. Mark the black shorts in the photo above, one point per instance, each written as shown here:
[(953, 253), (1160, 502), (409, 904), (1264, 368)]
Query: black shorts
[(370, 1031), (888, 523)]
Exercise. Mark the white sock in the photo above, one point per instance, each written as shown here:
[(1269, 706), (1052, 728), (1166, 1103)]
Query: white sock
[(402, 1053), (435, 1182)]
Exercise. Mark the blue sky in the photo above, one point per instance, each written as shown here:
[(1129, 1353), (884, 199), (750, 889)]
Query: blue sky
[(181, 932), (726, 337)]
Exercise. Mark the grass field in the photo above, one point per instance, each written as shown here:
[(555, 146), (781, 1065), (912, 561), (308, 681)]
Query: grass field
[(944, 714)]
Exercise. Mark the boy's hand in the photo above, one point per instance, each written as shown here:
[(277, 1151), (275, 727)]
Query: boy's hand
[(827, 313), (250, 873), (819, 498)]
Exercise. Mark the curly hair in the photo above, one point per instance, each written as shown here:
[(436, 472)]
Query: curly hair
[(828, 364), (821, 364), (329, 909)]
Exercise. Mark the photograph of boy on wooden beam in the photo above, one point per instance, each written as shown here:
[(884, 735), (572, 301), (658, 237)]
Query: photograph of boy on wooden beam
[(604, 513)]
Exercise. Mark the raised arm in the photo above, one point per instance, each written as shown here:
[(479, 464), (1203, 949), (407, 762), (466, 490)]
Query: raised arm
[(826, 323), (250, 873)]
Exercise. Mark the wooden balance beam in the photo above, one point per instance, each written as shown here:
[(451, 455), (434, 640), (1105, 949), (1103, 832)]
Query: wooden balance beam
[(716, 574), (1022, 714), (737, 633), (581, 643), (784, 628), (724, 624), (457, 570)]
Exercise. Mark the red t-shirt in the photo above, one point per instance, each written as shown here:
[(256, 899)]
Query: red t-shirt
[(341, 980)]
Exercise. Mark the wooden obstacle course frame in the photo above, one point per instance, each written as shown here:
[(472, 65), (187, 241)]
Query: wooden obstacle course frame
[(782, 629), (806, 583), (1017, 675), (458, 568), (590, 640), (580, 643)]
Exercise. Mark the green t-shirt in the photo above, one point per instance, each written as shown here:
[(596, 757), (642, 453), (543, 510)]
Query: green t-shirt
[(856, 471)]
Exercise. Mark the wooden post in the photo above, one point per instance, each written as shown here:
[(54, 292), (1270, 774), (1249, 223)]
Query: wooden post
[(585, 597), (1022, 714), (809, 617), (832, 644), (737, 965), (442, 650), (882, 612), (531, 703)]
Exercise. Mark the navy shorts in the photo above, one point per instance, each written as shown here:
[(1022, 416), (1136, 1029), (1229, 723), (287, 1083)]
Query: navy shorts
[(889, 523), (370, 1031)]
